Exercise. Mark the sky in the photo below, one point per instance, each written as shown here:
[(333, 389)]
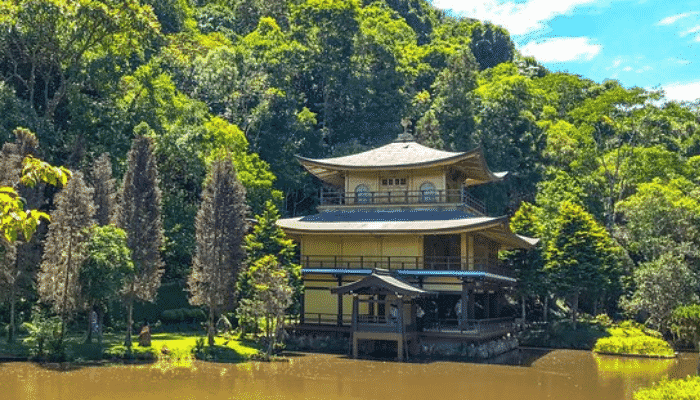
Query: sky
[(654, 44)]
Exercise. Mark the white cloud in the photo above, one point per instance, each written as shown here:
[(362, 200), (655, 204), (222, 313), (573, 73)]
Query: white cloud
[(617, 62), (518, 18), (682, 91), (673, 18), (692, 30), (563, 49)]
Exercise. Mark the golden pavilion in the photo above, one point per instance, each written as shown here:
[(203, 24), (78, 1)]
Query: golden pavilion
[(400, 251)]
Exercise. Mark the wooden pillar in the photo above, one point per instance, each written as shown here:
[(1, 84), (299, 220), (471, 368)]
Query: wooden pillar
[(470, 251), (340, 302), (355, 310), (464, 252), (399, 348), (302, 308)]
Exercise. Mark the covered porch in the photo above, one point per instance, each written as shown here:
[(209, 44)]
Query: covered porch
[(383, 309)]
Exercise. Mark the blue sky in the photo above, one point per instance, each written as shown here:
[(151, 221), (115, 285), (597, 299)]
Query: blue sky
[(653, 44)]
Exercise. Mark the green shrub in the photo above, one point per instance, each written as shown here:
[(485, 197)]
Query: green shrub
[(677, 389), (136, 353), (632, 338)]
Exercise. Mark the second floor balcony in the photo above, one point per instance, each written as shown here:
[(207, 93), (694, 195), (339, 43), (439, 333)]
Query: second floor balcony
[(401, 197), (435, 263)]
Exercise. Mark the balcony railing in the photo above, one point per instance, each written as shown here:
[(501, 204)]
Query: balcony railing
[(407, 262), (399, 197)]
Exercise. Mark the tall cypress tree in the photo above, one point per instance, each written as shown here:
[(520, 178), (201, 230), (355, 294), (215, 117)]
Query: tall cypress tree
[(220, 228), (65, 248), (18, 260), (139, 215), (105, 195)]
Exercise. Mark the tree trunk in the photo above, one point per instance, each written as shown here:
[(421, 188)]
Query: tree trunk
[(574, 310), (88, 337), (210, 328), (11, 331), (129, 322), (595, 306), (546, 307), (100, 323)]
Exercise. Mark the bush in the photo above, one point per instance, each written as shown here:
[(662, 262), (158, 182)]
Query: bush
[(631, 338), (678, 389), (136, 353)]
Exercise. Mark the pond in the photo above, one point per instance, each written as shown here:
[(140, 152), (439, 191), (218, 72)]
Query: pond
[(558, 374)]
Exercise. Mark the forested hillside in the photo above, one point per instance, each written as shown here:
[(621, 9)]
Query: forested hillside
[(268, 79)]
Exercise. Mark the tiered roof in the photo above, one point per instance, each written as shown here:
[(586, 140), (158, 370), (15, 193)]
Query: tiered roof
[(403, 156)]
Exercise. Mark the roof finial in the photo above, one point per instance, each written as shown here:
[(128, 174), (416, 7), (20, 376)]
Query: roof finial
[(405, 136)]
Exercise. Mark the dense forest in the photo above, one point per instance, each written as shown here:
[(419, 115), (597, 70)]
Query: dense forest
[(606, 176)]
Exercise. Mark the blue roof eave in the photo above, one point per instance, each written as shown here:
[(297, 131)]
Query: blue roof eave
[(413, 272)]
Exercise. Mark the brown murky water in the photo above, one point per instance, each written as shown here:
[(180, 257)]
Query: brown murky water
[(559, 374)]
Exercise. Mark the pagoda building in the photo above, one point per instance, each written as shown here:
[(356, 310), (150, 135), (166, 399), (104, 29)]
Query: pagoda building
[(401, 251)]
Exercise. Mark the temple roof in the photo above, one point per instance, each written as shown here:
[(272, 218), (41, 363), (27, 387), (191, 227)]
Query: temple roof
[(402, 156), (405, 222), (380, 282)]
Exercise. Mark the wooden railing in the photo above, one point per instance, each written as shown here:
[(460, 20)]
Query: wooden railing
[(332, 197), (406, 262), (320, 319)]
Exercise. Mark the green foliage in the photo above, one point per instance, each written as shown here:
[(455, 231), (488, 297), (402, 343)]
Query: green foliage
[(529, 264), (580, 255), (630, 339), (268, 239), (662, 218), (685, 322), (661, 286), (270, 297), (44, 335), (676, 389), (107, 264), (104, 271)]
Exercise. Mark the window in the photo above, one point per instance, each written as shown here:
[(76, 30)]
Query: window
[(393, 181), (362, 194), (427, 193)]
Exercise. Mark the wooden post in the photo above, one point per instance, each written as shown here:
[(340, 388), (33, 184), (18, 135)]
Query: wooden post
[(340, 302), (464, 251), (470, 252), (355, 309), (400, 347), (302, 310)]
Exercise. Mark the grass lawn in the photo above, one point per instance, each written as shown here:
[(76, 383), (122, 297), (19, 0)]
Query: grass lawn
[(163, 345)]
